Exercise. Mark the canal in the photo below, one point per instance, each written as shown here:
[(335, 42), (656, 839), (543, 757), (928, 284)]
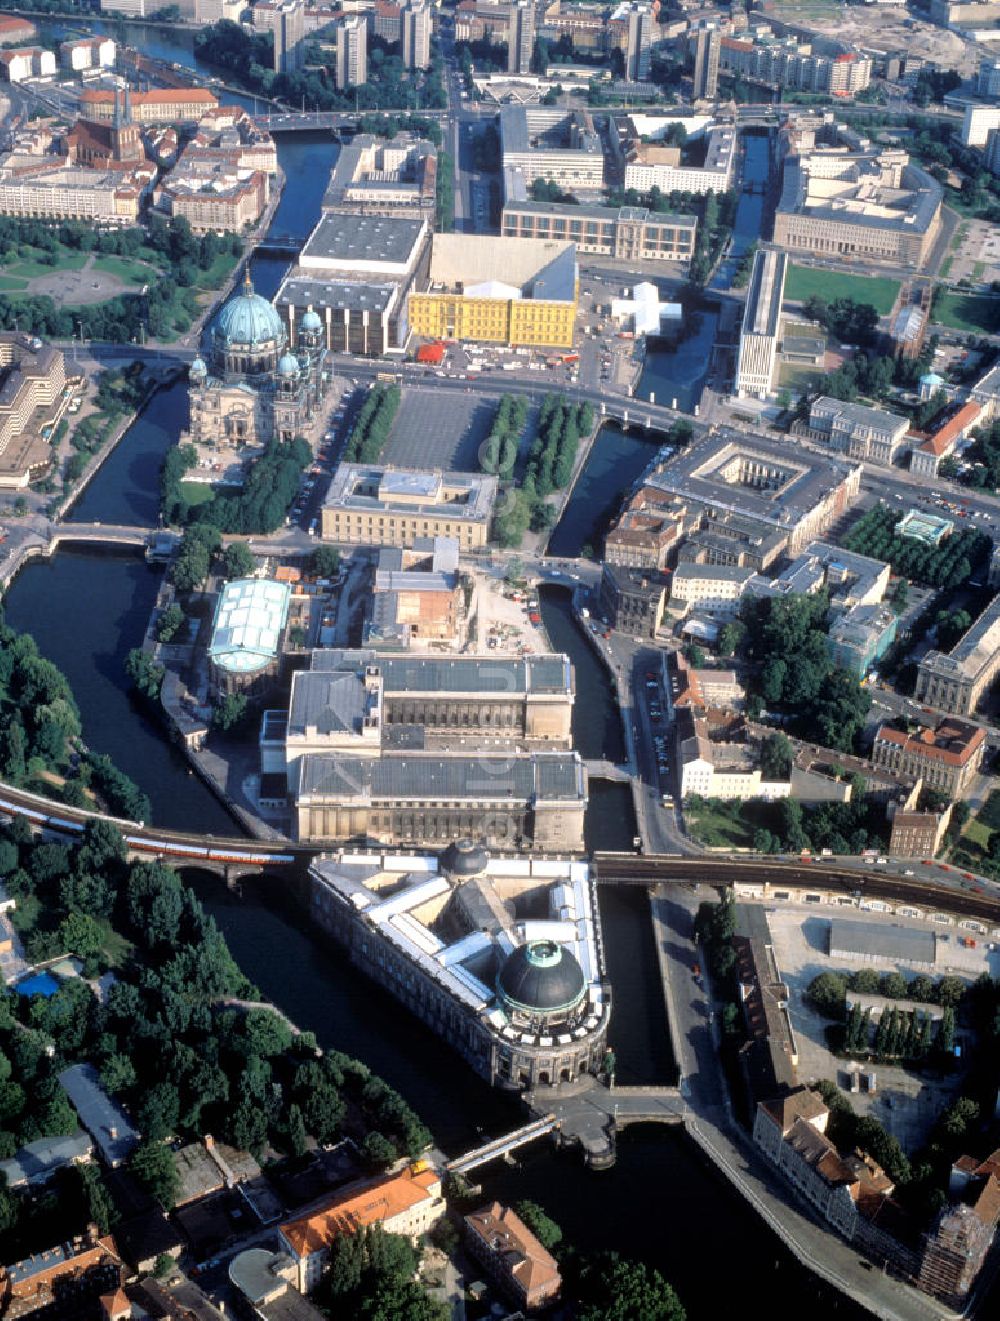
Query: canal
[(616, 459)]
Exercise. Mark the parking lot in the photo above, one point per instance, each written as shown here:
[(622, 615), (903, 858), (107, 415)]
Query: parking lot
[(439, 429), (906, 1103)]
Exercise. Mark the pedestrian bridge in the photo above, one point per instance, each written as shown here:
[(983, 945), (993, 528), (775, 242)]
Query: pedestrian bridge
[(608, 770), (499, 1147)]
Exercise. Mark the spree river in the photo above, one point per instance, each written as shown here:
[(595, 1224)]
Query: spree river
[(662, 1201)]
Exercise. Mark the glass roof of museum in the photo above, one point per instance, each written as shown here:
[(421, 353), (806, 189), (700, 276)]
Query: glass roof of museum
[(249, 620)]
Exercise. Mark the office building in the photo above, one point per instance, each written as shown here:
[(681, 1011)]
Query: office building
[(375, 177), (761, 324), (351, 65), (516, 985), (947, 758), (415, 34), (285, 20), (512, 1256), (860, 636), (629, 233), (542, 142), (32, 396), (705, 46), (632, 600), (372, 506), (870, 204), (409, 1202), (765, 489), (926, 457), (955, 682), (267, 1282), (871, 434), (848, 578), (988, 78), (498, 291), (714, 589), (649, 165)]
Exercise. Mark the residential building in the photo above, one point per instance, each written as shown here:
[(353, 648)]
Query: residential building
[(762, 488), (979, 121), (351, 66), (110, 197), (946, 758), (761, 324), (374, 506), (956, 681), (918, 834), (32, 397), (15, 30), (213, 195), (870, 204), (644, 535), (633, 600), (231, 135), (635, 19), (627, 232), (705, 45), (703, 690), (84, 1269), (415, 35), (540, 142), (267, 1282), (101, 1115), (721, 762), (769, 1057), (87, 53), (285, 20), (170, 105), (16, 66), (525, 1001), (520, 35), (37, 1162), (788, 64), (791, 1131), (858, 638), (512, 1256), (655, 166), (988, 78), (375, 177), (498, 290), (926, 458), (714, 589), (408, 1203), (873, 435), (851, 580)]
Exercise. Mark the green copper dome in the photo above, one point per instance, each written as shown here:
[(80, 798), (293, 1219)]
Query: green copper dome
[(541, 977), (248, 321), (310, 320)]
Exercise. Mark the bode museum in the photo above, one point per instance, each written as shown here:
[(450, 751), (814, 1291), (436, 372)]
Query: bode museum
[(502, 957)]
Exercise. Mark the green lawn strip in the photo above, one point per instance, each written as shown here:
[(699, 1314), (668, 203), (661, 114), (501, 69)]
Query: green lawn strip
[(10, 282), (197, 493), (989, 813), (29, 268), (216, 274), (132, 272), (805, 281), (974, 313)]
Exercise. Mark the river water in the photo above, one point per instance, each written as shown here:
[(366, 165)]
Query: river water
[(661, 1201)]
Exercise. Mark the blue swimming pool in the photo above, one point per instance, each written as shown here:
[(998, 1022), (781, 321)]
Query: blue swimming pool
[(39, 983)]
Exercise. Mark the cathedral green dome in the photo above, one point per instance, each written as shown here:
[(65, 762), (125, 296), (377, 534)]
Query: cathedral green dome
[(288, 365), (310, 320), (248, 320)]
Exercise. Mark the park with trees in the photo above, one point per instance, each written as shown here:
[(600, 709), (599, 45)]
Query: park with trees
[(549, 467), (258, 507), (949, 564), (373, 424)]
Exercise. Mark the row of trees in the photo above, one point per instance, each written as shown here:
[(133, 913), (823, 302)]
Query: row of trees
[(852, 322), (552, 455), (828, 991), (899, 1035), (373, 424), (949, 564), (498, 455)]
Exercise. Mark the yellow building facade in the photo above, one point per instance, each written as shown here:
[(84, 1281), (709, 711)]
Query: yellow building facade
[(512, 321)]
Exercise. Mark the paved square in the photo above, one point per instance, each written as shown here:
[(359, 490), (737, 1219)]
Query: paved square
[(440, 429)]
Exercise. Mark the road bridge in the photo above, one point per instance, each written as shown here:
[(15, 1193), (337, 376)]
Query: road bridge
[(497, 1148), (589, 1114), (609, 770), (109, 534)]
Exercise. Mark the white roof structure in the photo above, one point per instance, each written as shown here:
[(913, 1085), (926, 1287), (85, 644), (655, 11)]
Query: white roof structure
[(249, 620), (645, 309)]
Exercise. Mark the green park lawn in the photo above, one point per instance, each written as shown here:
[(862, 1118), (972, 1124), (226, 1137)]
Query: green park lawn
[(132, 272), (11, 284), (714, 827), (217, 273), (805, 281), (197, 493), (975, 313)]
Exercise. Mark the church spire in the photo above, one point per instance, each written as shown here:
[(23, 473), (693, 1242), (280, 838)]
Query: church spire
[(247, 282)]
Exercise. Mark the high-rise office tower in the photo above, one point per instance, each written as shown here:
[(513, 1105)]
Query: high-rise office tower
[(637, 20), (707, 43), (415, 34), (520, 36), (352, 52)]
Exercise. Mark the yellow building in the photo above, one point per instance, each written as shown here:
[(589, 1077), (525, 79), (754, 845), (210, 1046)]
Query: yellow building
[(499, 291)]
